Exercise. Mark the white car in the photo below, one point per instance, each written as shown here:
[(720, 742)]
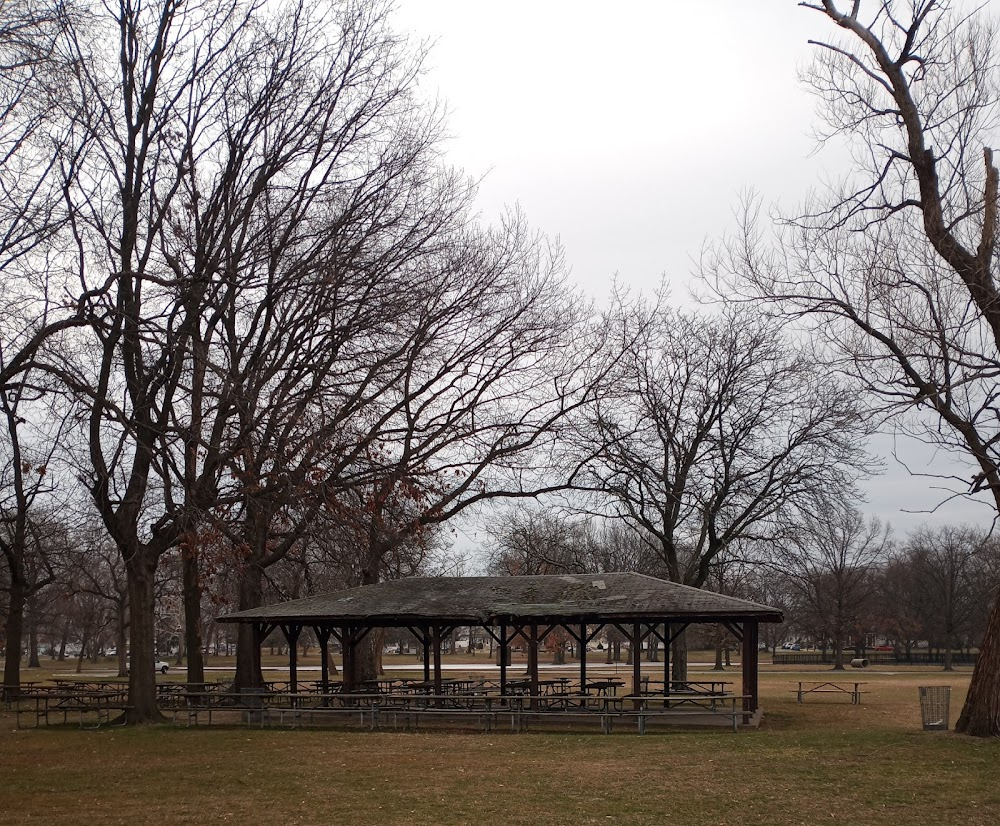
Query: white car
[(159, 665)]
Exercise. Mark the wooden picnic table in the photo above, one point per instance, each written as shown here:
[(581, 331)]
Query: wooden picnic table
[(12, 691), (449, 685), (545, 687), (604, 688), (687, 686), (45, 701), (77, 684), (849, 689), (386, 684)]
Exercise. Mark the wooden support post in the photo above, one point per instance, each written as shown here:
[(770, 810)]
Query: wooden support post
[(751, 686), (425, 641), (347, 646), (637, 664), (666, 658), (583, 657), (436, 640), (504, 654), (291, 633), (533, 662), (323, 636)]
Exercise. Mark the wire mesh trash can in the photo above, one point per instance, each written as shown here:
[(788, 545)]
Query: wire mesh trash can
[(934, 702)]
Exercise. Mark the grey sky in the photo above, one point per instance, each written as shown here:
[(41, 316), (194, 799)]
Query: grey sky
[(630, 130)]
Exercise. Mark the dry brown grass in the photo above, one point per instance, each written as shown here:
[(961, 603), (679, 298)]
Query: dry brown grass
[(823, 761)]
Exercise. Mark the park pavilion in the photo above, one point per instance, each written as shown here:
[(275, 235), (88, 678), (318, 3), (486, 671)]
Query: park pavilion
[(525, 609)]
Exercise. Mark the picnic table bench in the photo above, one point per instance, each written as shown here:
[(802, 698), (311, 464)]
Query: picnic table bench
[(847, 689)]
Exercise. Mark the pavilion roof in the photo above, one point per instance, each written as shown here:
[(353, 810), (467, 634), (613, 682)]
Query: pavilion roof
[(614, 597)]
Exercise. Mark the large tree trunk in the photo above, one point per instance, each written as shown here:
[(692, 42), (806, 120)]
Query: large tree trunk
[(14, 630), (980, 716), (192, 615), (368, 656), (248, 672), (679, 658), (141, 568), (367, 659)]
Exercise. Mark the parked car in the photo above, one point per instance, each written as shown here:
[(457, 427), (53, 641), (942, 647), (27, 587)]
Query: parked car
[(160, 665)]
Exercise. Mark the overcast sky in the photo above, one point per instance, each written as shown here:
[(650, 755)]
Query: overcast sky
[(630, 132)]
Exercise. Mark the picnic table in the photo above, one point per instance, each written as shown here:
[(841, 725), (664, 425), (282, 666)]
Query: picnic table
[(449, 685), (523, 685), (604, 688), (386, 685), (12, 691), (846, 689), (95, 706), (77, 684), (657, 687)]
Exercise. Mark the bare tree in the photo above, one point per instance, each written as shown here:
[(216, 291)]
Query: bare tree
[(712, 431), (218, 147), (948, 582), (529, 542), (899, 609), (833, 566), (37, 153), (26, 541), (97, 571), (896, 269)]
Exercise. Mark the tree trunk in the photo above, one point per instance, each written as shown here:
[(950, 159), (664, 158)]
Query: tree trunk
[(980, 716), (192, 614), (14, 630), (719, 666), (948, 666), (368, 656), (141, 568), (248, 673), (679, 658), (838, 653)]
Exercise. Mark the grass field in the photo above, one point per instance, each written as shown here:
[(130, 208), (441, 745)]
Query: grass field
[(824, 761)]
